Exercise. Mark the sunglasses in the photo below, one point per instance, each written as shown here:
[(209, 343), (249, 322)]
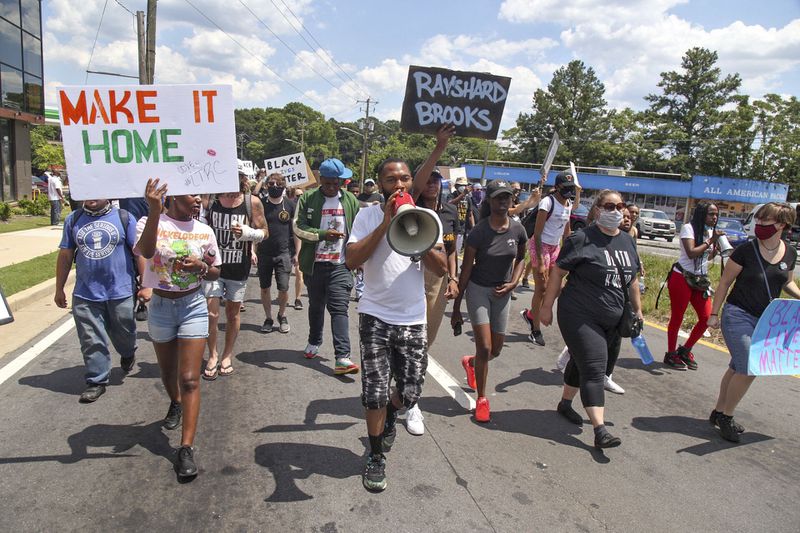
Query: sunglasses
[(609, 206)]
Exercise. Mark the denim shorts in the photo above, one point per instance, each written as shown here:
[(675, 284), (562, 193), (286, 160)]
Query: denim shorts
[(182, 318), (737, 328), (232, 290)]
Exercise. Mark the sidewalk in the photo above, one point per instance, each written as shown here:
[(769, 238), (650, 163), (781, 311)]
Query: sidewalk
[(19, 246)]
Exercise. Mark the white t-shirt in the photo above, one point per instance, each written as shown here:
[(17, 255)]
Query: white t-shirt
[(554, 227), (394, 286), (332, 218), (53, 186), (695, 266)]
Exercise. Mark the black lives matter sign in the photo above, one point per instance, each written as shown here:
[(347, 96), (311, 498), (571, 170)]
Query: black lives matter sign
[(472, 101)]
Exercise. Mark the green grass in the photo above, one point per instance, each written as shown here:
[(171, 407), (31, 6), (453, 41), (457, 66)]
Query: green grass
[(20, 276), (23, 222)]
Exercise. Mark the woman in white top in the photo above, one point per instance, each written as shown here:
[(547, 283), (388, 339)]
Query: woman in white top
[(552, 223), (688, 283)]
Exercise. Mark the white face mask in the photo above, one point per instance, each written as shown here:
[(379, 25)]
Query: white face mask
[(610, 219)]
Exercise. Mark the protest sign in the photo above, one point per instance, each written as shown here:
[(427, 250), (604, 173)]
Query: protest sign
[(116, 137), (5, 311), (775, 344), (247, 168), (294, 169), (472, 101)]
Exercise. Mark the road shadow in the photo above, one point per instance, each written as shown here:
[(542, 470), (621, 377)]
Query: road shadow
[(630, 363), (277, 359), (538, 376), (698, 428), (291, 461), (121, 438), (348, 407), (546, 425), (72, 380)]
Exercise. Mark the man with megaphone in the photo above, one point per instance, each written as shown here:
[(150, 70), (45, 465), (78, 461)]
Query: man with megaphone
[(394, 244)]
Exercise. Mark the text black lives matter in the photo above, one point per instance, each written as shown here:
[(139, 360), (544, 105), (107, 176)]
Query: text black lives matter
[(472, 101)]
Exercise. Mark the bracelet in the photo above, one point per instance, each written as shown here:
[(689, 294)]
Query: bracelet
[(713, 314), (203, 271)]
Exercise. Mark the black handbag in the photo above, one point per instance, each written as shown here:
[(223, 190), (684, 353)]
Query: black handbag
[(630, 325)]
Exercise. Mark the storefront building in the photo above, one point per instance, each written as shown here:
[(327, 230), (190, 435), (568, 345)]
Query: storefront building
[(734, 197), (21, 92)]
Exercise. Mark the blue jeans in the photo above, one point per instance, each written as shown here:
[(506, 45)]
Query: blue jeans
[(737, 329), (55, 212), (329, 286), (100, 324)]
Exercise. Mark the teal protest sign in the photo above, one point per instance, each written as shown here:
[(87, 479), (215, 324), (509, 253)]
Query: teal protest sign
[(775, 344)]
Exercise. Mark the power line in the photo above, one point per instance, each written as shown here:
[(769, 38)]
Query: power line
[(292, 50), (318, 47), (96, 35), (120, 4)]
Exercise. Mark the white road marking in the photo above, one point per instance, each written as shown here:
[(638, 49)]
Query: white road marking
[(34, 351), (449, 384)]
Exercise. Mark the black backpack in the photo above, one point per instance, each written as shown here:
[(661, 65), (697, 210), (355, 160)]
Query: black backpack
[(529, 220)]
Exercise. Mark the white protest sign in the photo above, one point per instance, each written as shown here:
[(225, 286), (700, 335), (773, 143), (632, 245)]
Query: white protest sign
[(116, 137), (293, 167), (247, 168)]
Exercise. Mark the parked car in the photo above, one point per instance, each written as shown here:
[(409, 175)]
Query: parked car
[(38, 183), (734, 230), (653, 223), (577, 219)]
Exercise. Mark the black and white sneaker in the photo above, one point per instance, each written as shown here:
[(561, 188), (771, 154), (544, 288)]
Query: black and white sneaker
[(374, 477), (283, 324), (266, 327), (536, 337)]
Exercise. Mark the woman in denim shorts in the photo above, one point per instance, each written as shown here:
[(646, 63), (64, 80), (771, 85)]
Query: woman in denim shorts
[(180, 253), (761, 269)]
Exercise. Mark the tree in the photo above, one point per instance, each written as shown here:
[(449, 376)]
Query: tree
[(777, 130), (46, 148), (573, 105), (688, 111)]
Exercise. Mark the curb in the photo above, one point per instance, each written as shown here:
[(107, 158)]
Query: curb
[(33, 294)]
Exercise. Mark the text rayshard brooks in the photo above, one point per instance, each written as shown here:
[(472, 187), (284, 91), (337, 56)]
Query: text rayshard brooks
[(116, 107), (473, 102)]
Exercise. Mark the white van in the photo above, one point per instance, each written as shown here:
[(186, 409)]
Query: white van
[(750, 223)]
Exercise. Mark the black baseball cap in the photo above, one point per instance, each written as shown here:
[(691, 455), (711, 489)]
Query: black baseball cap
[(497, 187), (564, 179)]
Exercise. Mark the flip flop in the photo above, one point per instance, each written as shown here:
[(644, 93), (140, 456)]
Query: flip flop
[(222, 370), (213, 375)]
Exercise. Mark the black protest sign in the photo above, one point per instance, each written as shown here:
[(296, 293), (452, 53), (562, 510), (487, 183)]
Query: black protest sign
[(472, 101)]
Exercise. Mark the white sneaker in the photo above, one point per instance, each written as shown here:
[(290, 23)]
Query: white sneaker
[(610, 386), (414, 420), (563, 359)]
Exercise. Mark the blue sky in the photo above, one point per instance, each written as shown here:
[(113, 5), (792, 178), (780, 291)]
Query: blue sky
[(628, 43)]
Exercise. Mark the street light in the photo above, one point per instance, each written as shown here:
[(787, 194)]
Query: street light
[(295, 142)]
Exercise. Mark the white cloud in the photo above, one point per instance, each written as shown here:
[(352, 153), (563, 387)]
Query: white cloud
[(574, 11)]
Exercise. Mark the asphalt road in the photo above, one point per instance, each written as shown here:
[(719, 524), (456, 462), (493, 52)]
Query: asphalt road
[(281, 446)]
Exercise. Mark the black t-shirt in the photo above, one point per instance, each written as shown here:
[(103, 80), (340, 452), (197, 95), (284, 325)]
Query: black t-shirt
[(234, 254), (370, 198), (495, 252), (448, 215), (591, 257), (750, 292), (279, 222), (464, 208)]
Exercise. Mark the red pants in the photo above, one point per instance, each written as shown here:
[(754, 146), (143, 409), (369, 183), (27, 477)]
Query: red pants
[(679, 297)]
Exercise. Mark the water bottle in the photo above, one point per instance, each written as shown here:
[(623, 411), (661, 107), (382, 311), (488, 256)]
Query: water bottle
[(641, 348)]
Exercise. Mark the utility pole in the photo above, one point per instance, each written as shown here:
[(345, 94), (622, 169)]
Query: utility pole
[(151, 41), (302, 135), (140, 34), (367, 129)]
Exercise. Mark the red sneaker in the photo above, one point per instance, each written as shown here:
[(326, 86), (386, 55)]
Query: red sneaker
[(467, 361), (482, 413)]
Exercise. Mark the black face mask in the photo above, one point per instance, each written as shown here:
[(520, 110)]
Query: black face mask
[(275, 191), (567, 194)]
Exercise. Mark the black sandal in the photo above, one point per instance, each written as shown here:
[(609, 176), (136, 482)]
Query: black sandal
[(214, 373)]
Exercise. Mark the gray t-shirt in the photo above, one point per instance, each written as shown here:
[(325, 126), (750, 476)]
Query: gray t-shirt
[(495, 252)]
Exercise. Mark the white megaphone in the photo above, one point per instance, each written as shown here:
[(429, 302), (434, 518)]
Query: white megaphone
[(724, 246), (412, 231)]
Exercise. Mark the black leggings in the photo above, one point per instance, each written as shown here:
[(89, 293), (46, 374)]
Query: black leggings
[(591, 340)]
